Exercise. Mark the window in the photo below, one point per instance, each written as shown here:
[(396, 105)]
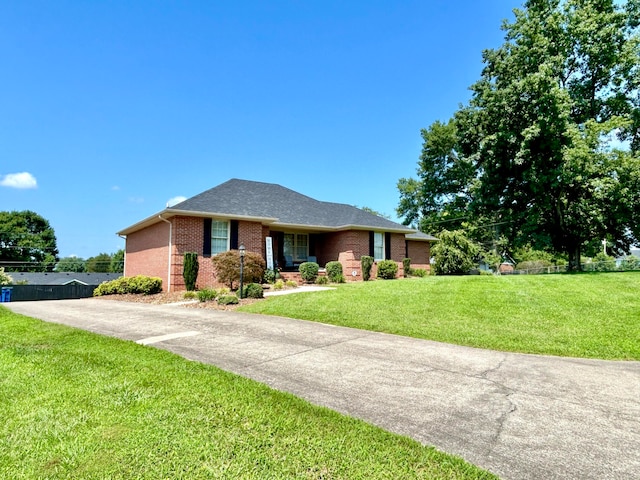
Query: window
[(219, 236), (378, 246), (296, 246)]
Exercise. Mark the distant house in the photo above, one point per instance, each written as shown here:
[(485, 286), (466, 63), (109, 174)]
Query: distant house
[(62, 278), (238, 212)]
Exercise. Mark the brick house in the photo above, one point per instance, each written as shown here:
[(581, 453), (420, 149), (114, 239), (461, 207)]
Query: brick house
[(245, 212)]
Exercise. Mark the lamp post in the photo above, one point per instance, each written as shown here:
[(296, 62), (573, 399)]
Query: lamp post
[(241, 249)]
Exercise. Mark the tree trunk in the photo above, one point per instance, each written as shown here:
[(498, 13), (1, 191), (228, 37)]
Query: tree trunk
[(574, 258)]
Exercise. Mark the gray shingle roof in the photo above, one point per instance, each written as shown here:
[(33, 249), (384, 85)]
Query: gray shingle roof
[(62, 278), (243, 198)]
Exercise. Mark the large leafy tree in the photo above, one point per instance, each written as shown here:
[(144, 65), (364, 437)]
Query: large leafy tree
[(539, 131), (70, 264), (27, 242), (101, 263)]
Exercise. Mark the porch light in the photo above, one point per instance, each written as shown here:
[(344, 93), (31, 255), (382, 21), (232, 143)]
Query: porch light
[(242, 250)]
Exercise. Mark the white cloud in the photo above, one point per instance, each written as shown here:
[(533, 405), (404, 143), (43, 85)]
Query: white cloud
[(18, 180), (115, 188), (175, 200)]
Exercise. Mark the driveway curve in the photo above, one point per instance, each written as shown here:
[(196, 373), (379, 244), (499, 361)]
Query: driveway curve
[(519, 416)]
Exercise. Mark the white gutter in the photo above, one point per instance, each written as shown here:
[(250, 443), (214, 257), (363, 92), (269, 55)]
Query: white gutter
[(169, 259)]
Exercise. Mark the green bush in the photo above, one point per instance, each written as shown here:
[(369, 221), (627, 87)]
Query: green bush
[(603, 263), (269, 276), (406, 267), (366, 262), (419, 272), (226, 267), (5, 278), (534, 266), (630, 262), (323, 280), (252, 290), (279, 285), (190, 295), (207, 294), (228, 300), (190, 269), (387, 269), (291, 283), (139, 284), (334, 272), (309, 271)]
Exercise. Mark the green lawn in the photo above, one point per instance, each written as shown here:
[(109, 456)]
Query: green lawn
[(79, 405), (586, 315)]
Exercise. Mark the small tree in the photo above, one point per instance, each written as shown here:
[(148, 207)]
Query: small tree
[(226, 267), (454, 254), (366, 262), (190, 270)]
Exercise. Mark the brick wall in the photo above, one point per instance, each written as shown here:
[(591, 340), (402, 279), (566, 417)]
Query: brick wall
[(147, 252), (420, 254)]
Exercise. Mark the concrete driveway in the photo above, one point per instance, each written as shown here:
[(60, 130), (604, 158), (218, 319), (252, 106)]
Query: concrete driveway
[(519, 416)]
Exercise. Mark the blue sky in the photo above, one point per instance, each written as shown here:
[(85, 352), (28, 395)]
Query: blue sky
[(111, 109)]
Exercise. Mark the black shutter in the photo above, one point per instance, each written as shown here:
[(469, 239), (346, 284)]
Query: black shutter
[(206, 244), (234, 235), (372, 244), (387, 246), (312, 244)]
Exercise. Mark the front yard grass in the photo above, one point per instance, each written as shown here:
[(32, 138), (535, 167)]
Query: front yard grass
[(585, 315), (80, 405)]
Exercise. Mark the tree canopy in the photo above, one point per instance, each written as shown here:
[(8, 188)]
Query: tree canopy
[(546, 151), (27, 242)]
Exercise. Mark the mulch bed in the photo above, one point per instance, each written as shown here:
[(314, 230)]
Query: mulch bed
[(175, 297)]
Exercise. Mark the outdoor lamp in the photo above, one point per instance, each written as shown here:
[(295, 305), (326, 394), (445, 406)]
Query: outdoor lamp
[(242, 250)]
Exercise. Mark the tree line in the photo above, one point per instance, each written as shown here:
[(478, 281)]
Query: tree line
[(28, 244), (545, 154)]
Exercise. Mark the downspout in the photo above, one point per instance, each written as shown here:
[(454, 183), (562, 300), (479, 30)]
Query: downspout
[(169, 259), (124, 265)]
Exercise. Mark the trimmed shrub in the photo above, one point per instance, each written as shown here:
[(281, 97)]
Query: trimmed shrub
[(279, 285), (366, 262), (207, 294), (226, 266), (419, 272), (387, 269), (291, 283), (139, 284), (309, 271), (190, 269), (323, 280), (228, 300), (406, 267), (334, 272), (252, 290)]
